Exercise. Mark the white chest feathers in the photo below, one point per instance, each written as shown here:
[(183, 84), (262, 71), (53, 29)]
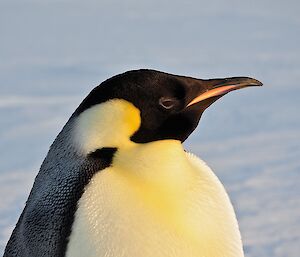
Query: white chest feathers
[(155, 200)]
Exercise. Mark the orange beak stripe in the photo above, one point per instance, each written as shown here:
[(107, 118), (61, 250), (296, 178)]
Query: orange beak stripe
[(213, 92)]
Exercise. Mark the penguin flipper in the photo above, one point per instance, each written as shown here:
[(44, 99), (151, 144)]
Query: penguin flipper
[(46, 221)]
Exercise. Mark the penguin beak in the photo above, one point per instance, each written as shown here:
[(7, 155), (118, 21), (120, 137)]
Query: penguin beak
[(220, 87)]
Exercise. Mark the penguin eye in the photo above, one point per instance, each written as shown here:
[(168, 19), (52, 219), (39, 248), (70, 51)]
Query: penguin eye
[(167, 103)]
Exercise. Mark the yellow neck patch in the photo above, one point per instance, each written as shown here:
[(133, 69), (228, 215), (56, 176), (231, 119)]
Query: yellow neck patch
[(159, 174)]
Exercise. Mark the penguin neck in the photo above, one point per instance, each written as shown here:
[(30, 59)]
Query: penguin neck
[(160, 162)]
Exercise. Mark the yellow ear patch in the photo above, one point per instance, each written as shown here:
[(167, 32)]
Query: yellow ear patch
[(109, 124)]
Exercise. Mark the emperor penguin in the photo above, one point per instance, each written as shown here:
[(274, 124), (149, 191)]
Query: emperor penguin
[(117, 181)]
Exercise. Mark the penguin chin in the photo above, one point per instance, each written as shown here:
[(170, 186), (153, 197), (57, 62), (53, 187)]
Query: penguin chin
[(177, 127)]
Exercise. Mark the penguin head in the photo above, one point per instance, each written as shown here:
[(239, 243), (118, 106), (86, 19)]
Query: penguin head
[(148, 105)]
